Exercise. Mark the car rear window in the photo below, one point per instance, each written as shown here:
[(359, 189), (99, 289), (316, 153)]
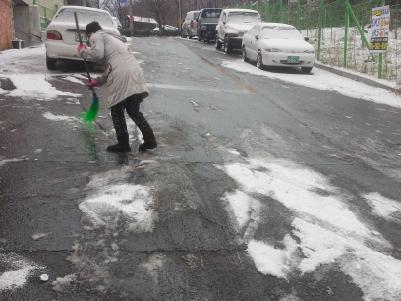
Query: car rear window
[(211, 13), (243, 17), (85, 16)]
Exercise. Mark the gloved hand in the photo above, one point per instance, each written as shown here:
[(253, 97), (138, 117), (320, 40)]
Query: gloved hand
[(80, 48), (92, 83)]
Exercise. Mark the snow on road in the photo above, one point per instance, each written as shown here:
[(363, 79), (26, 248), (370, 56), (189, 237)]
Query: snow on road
[(112, 199), (323, 80), (324, 227), (18, 270)]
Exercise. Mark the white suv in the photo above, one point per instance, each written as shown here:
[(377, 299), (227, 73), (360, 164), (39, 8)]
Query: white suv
[(190, 25), (233, 23)]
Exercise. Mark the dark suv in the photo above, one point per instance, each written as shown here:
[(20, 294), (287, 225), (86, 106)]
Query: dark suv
[(207, 21)]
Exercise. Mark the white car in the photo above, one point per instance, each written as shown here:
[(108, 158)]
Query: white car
[(276, 44), (62, 36), (232, 25)]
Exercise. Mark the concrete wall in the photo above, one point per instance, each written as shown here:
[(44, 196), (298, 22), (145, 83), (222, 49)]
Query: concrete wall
[(6, 24), (27, 25)]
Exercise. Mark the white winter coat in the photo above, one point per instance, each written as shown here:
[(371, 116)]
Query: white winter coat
[(123, 76)]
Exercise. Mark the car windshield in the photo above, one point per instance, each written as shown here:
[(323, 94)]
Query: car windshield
[(243, 17), (281, 33), (85, 17)]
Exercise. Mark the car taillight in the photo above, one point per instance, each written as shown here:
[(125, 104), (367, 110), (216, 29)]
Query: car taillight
[(53, 35)]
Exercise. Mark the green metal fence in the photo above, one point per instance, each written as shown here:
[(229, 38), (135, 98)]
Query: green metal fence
[(340, 32), (45, 15)]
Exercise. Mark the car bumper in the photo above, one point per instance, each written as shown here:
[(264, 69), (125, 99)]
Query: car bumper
[(281, 59), (61, 50), (235, 42), (208, 34)]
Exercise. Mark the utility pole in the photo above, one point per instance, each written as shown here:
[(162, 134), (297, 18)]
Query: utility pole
[(131, 18), (180, 16)]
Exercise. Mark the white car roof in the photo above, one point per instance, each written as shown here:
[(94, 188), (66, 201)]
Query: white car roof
[(84, 8), (229, 10), (275, 24)]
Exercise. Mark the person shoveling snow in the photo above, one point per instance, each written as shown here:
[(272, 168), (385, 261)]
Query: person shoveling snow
[(125, 84)]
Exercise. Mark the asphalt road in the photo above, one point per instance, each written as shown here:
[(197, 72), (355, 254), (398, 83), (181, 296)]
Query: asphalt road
[(172, 234)]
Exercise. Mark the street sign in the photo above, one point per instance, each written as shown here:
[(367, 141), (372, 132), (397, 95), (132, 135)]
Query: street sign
[(380, 28)]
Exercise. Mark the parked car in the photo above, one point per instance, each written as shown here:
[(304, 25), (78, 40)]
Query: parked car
[(207, 22), (232, 25), (189, 26), (276, 44), (62, 36), (117, 24)]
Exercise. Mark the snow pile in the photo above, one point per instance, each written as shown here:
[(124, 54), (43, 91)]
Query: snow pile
[(324, 229), (73, 79), (5, 161), (113, 200), (20, 270), (324, 80)]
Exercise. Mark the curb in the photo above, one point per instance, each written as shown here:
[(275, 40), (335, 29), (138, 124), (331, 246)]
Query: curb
[(356, 78)]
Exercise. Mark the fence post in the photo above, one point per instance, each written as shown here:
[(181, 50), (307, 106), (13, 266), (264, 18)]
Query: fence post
[(267, 11), (319, 37), (280, 3), (380, 67), (346, 25)]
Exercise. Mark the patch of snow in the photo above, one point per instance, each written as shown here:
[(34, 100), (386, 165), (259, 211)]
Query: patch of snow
[(234, 152), (327, 230), (37, 151), (113, 199), (5, 161), (272, 261), (73, 79), (62, 282), (35, 86), (324, 80), (383, 206), (154, 263), (53, 117), (38, 236), (244, 207), (20, 269)]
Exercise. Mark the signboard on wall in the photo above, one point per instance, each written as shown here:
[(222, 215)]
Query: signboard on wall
[(380, 28)]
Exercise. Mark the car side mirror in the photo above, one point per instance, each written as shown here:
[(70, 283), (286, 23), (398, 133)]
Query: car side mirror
[(257, 37), (306, 39)]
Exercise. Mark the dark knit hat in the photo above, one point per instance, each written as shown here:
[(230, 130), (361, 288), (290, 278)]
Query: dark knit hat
[(92, 27)]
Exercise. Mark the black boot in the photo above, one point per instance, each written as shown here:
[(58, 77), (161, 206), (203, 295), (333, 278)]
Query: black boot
[(119, 148), (148, 137)]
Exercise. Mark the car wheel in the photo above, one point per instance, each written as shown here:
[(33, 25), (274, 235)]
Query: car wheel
[(218, 44), (306, 69), (51, 63), (227, 46), (259, 62), (190, 37), (244, 57)]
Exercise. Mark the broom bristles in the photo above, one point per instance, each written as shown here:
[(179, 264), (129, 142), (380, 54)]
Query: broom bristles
[(90, 115)]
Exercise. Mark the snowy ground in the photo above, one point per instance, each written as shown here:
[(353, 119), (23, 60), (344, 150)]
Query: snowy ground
[(323, 80), (359, 58)]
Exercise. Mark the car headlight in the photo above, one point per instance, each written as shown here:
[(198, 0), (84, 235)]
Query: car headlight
[(203, 27), (273, 50), (309, 51)]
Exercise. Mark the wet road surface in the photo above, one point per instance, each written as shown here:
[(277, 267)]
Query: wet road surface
[(259, 190)]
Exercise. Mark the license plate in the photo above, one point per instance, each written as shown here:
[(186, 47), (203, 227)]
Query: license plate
[(83, 35), (293, 59)]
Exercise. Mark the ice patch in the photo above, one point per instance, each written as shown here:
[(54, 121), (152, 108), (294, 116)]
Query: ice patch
[(383, 206), (53, 117), (17, 276), (234, 152), (35, 86), (324, 80)]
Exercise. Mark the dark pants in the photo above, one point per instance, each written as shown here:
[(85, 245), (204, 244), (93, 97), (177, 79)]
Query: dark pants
[(132, 105)]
